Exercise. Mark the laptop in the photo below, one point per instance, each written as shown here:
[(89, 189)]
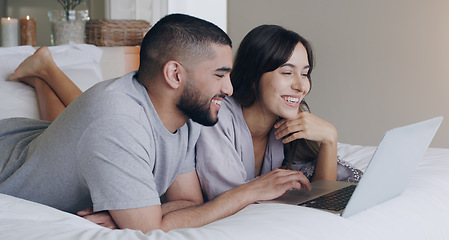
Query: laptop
[(386, 176)]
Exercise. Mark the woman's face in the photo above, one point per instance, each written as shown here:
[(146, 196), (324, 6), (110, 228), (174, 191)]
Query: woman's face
[(283, 89)]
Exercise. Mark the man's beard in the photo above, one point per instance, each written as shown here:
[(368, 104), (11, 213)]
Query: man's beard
[(196, 108)]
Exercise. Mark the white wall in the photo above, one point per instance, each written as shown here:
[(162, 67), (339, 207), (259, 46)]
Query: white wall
[(214, 11), (152, 10), (379, 64)]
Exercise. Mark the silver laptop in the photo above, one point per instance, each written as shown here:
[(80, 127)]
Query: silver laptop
[(386, 176)]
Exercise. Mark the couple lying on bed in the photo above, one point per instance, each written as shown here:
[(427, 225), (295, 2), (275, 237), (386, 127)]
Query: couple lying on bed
[(125, 143)]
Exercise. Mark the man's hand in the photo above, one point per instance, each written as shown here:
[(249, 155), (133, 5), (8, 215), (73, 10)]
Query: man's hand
[(101, 218), (274, 184)]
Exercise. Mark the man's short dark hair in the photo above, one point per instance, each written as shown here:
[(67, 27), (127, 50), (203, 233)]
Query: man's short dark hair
[(178, 37)]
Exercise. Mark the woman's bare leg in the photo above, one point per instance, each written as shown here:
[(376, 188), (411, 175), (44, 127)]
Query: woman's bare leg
[(50, 106), (42, 65)]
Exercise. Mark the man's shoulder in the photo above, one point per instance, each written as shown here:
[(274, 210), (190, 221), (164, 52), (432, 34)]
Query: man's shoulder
[(115, 96), (125, 85)]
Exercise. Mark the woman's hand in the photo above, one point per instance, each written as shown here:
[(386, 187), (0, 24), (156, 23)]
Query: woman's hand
[(310, 127), (306, 126), (101, 218)]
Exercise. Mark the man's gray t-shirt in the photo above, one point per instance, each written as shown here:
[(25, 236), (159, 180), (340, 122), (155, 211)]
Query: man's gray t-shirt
[(108, 149)]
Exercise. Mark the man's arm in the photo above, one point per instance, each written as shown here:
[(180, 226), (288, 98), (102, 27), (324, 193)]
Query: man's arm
[(184, 192), (268, 186)]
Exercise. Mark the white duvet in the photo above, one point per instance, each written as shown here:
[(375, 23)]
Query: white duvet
[(421, 212)]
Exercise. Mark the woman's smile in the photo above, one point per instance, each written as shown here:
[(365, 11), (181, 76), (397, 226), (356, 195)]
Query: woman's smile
[(292, 101)]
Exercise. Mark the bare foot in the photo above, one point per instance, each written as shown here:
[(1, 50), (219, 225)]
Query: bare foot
[(32, 81), (35, 65)]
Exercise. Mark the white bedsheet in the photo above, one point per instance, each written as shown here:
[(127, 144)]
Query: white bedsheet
[(422, 212)]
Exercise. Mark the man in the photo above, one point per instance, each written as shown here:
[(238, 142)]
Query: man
[(124, 143)]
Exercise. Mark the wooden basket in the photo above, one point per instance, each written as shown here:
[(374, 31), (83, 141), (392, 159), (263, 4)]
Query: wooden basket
[(109, 33)]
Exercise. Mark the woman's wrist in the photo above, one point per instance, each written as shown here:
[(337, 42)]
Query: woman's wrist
[(331, 138)]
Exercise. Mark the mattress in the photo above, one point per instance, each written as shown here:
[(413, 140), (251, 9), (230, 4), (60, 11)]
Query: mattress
[(421, 212)]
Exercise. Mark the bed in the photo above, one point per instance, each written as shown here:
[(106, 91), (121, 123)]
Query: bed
[(421, 212)]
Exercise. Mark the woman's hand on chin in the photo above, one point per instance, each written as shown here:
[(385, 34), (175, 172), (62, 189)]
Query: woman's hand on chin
[(306, 126)]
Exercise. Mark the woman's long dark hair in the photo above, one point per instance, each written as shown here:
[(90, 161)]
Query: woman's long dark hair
[(264, 49)]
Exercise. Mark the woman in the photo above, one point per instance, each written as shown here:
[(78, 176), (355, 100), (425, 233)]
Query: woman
[(267, 121)]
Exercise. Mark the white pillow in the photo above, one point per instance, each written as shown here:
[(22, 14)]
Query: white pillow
[(80, 62)]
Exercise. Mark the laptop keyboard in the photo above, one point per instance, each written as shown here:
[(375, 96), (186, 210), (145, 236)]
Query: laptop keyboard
[(334, 201)]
